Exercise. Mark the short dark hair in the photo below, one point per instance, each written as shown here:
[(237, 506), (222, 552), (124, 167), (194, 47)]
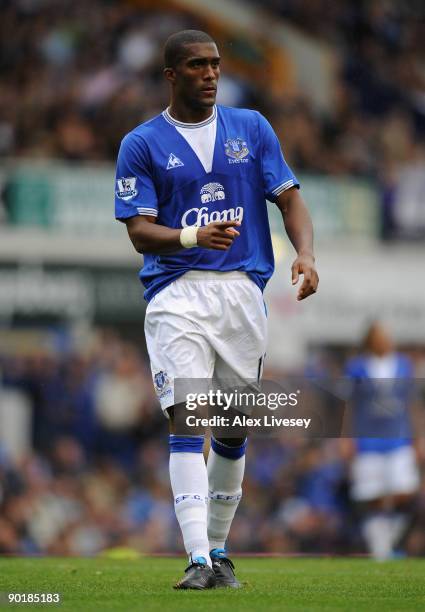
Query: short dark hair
[(174, 48)]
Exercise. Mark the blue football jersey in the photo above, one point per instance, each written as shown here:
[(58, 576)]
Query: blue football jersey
[(159, 174), (380, 406)]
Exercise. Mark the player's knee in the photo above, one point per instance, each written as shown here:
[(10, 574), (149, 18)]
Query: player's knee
[(404, 502), (229, 448), (178, 423)]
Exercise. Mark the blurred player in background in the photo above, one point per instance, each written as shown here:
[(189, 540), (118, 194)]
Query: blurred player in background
[(385, 476), (192, 185)]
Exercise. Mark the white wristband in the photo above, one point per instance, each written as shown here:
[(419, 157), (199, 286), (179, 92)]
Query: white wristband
[(188, 237)]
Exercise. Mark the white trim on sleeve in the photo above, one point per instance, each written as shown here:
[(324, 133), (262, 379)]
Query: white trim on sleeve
[(283, 187), (152, 212)]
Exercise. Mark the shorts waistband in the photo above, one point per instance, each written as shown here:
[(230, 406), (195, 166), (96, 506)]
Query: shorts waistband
[(213, 275)]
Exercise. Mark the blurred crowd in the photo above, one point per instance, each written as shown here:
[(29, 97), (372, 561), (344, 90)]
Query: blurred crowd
[(380, 100), (377, 126), (76, 76), (94, 475)]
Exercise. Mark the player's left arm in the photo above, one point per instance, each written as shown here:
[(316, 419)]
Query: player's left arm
[(299, 228)]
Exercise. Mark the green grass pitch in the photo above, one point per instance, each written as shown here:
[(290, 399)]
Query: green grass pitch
[(269, 584)]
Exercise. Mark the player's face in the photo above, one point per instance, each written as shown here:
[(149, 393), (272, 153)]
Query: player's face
[(380, 342), (196, 75)]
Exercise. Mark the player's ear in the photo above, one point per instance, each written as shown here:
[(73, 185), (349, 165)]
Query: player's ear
[(170, 74)]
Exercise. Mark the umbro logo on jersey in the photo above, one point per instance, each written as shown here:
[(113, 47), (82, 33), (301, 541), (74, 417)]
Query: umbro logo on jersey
[(174, 162)]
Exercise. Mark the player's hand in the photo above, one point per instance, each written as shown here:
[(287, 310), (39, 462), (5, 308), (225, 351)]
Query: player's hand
[(218, 235), (304, 264)]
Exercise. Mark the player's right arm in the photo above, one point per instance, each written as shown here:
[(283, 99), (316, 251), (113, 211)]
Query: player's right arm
[(136, 205), (148, 236)]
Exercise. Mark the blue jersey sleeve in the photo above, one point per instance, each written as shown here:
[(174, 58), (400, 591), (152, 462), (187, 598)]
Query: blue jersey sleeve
[(277, 175), (135, 192), (405, 367), (354, 368)]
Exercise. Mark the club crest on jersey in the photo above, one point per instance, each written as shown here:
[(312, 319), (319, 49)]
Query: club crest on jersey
[(126, 188), (236, 149), (174, 162), (212, 192)]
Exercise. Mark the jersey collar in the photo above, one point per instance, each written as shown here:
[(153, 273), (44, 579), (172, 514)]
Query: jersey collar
[(190, 126)]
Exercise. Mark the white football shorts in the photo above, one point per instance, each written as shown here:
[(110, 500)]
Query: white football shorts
[(376, 475), (205, 324)]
